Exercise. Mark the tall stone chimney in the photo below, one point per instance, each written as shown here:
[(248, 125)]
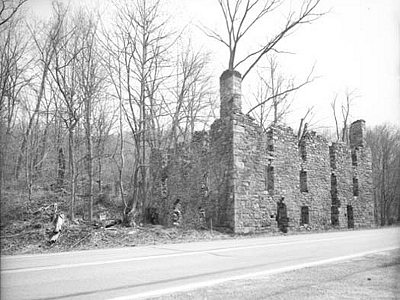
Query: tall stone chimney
[(230, 93), (357, 134)]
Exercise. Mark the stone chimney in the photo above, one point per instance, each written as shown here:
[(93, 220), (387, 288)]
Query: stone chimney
[(230, 93), (357, 134)]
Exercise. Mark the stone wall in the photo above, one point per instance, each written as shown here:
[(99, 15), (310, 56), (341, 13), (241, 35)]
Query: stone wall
[(278, 150), (221, 198), (182, 174), (362, 170), (238, 173), (253, 207), (341, 169)]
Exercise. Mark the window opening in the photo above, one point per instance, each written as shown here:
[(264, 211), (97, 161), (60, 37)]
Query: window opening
[(334, 190), (350, 216), (356, 191), (335, 215), (305, 217), (303, 181), (354, 161), (332, 157), (269, 178), (303, 151)]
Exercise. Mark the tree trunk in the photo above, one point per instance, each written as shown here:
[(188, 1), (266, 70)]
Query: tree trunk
[(99, 178), (61, 167), (30, 124), (89, 159), (72, 171), (3, 151), (121, 153), (43, 146)]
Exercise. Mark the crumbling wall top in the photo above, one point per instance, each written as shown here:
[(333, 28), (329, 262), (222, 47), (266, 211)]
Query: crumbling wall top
[(230, 93), (229, 73), (357, 134)]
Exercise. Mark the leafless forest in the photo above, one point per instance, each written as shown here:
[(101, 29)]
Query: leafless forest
[(83, 102)]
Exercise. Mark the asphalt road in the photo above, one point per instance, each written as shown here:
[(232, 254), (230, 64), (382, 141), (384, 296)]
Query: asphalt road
[(140, 272)]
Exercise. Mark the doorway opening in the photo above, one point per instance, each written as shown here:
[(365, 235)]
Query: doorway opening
[(350, 216)]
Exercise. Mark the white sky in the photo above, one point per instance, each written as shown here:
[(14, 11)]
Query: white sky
[(355, 46)]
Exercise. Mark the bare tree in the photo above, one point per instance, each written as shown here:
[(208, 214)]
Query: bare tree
[(241, 16), (43, 42), (91, 78), (14, 64), (274, 93), (190, 104), (384, 141), (65, 71), (104, 118), (138, 47), (342, 132), (303, 125), (8, 9)]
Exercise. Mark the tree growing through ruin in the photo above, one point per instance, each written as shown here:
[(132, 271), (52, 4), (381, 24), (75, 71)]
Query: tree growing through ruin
[(304, 123), (273, 96), (242, 16), (342, 118)]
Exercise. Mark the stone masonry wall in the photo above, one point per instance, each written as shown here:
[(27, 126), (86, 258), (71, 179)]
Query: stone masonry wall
[(253, 207), (315, 161), (221, 197), (362, 170), (181, 174), (279, 149), (341, 168), (238, 173), (211, 168), (221, 157)]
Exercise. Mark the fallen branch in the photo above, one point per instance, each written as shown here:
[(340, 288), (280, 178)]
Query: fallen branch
[(117, 241), (112, 222), (81, 240), (12, 235), (42, 209), (18, 234)]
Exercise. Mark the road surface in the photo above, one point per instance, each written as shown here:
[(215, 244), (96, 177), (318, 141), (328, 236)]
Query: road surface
[(140, 272)]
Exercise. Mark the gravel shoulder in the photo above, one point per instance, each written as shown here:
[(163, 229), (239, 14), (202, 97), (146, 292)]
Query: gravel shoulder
[(375, 276)]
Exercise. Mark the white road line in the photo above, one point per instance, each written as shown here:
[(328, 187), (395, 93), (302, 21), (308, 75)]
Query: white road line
[(197, 285), (106, 262)]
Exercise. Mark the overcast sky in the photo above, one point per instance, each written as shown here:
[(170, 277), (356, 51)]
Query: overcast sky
[(356, 46)]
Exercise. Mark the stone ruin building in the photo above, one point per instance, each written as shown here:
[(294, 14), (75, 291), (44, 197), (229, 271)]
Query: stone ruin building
[(237, 172)]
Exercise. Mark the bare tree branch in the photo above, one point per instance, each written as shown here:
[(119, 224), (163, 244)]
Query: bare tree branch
[(240, 18), (8, 9), (308, 80)]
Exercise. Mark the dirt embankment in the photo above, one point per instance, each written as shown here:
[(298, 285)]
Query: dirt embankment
[(26, 227)]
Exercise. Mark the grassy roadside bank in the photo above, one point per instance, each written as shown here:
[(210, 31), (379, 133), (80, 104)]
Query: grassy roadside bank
[(374, 276)]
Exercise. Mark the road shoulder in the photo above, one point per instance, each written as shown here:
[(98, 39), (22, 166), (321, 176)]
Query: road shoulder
[(374, 276)]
